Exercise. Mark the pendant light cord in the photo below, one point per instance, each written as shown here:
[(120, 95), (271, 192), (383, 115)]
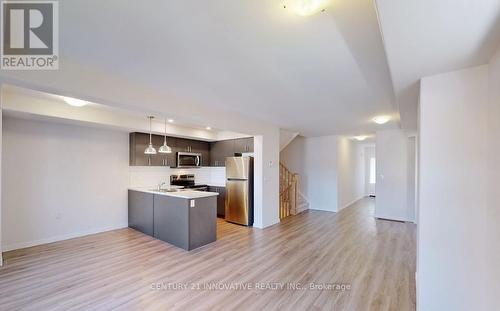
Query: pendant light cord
[(165, 141), (150, 130)]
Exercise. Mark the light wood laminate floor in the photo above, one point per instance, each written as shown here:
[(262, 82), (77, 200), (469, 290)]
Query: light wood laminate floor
[(117, 270)]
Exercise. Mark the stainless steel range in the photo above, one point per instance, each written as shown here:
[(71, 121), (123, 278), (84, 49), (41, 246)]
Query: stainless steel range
[(187, 181)]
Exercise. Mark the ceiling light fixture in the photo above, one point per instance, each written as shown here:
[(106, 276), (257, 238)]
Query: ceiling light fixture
[(208, 128), (170, 120), (306, 7), (150, 149), (75, 102), (165, 148), (381, 119), (360, 138)]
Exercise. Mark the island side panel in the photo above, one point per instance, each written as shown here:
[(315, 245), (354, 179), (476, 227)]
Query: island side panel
[(140, 211), (171, 220), (203, 222)]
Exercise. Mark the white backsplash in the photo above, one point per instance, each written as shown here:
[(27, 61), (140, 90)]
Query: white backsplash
[(146, 176), (217, 176)]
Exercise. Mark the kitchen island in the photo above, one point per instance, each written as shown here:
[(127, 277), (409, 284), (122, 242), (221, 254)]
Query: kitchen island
[(184, 218)]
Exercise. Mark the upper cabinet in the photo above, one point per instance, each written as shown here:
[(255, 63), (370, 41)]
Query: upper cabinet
[(138, 143), (243, 145), (212, 154), (220, 150), (202, 147), (194, 146)]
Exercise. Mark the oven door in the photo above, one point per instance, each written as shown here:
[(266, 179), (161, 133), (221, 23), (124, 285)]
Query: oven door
[(188, 159)]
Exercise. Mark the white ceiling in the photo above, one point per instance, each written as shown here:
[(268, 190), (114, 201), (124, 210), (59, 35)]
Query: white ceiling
[(319, 75), (427, 37)]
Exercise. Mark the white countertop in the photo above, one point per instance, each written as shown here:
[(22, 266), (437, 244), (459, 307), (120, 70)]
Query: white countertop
[(180, 193), (217, 185)]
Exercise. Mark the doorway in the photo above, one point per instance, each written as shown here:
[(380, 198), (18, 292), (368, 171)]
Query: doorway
[(370, 171)]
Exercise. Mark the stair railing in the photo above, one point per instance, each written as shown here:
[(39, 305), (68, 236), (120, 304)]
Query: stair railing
[(289, 185)]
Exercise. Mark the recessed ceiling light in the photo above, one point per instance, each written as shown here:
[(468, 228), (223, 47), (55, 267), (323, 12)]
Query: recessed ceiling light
[(360, 138), (75, 102), (208, 128), (170, 120), (306, 7), (381, 119)]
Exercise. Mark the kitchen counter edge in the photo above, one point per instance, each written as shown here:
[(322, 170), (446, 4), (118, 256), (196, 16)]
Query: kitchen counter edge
[(190, 194)]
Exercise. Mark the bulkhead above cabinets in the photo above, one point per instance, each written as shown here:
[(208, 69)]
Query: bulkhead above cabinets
[(212, 153)]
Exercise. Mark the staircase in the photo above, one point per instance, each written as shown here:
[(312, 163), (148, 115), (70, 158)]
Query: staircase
[(292, 201), (302, 203)]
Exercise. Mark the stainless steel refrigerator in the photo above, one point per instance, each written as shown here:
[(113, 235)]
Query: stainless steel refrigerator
[(239, 190)]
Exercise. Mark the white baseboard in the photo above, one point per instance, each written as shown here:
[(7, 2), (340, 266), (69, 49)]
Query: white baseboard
[(352, 202), (321, 209), (384, 217), (14, 246), (300, 210)]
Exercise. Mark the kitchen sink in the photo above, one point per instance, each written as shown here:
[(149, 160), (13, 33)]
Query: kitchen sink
[(166, 190)]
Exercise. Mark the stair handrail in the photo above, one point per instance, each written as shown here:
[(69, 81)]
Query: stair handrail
[(288, 192)]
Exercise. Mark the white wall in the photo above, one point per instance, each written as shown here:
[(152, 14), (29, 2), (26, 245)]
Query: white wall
[(61, 181), (351, 171), (286, 137), (315, 160), (493, 216), (392, 178), (330, 168), (321, 173), (452, 236), (412, 177), (266, 178)]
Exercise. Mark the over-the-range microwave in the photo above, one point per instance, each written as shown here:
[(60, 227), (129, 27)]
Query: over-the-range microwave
[(188, 159)]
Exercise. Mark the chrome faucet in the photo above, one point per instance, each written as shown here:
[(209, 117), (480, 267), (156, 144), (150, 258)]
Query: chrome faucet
[(160, 185)]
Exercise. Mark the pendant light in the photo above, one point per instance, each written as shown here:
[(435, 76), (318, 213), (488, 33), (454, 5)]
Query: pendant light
[(150, 149), (165, 148)]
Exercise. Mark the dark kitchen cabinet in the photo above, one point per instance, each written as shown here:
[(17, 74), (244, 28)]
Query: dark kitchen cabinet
[(194, 146), (185, 223), (212, 154), (203, 147), (140, 211), (217, 150), (221, 199), (188, 145), (170, 158), (243, 145), (158, 159), (140, 141), (220, 150), (183, 145)]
